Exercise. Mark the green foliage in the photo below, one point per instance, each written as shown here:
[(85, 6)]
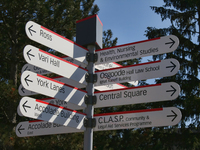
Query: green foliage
[(59, 16), (184, 17)]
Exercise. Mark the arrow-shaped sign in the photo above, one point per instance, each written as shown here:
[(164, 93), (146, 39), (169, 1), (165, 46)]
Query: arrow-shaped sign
[(138, 49), (136, 95), (55, 64), (55, 41), (52, 113), (142, 71), (138, 119), (39, 127), (52, 88)]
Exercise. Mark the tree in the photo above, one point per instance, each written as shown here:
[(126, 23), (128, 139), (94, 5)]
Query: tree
[(185, 24), (57, 15)]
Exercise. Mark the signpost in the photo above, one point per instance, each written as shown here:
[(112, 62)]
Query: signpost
[(65, 90), (140, 94), (138, 119), (139, 49), (162, 68), (55, 41), (49, 87), (39, 127), (54, 64), (38, 109)]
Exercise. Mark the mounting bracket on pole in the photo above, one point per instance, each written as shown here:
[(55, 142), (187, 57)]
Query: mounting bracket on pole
[(91, 57), (89, 122), (89, 99), (91, 78)]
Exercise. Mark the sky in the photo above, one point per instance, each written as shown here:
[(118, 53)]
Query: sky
[(128, 20)]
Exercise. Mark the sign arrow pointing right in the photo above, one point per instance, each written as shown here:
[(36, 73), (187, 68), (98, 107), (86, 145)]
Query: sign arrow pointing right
[(173, 67), (172, 42), (174, 90), (174, 115)]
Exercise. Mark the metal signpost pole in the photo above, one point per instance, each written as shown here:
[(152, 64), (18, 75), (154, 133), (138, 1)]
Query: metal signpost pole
[(88, 134)]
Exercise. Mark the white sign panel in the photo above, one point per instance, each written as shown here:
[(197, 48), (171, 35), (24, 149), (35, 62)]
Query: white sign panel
[(140, 94), (49, 87), (150, 47), (55, 41), (155, 69), (138, 119), (41, 110), (39, 127), (54, 64)]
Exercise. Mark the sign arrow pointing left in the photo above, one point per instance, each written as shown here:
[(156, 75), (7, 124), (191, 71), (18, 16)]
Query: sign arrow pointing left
[(24, 105), (19, 129), (27, 80), (31, 30)]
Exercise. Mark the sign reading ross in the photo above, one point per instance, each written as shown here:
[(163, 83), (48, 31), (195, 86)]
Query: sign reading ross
[(54, 64), (156, 69), (138, 119), (49, 87), (55, 41), (150, 47), (37, 109), (135, 95), (39, 127)]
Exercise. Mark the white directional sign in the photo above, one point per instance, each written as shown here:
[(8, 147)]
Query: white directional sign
[(54, 64), (55, 41), (138, 119), (41, 110), (39, 127), (150, 47), (155, 69), (49, 87), (140, 94), (24, 92)]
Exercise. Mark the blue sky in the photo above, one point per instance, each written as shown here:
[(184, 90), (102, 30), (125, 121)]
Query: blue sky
[(128, 19)]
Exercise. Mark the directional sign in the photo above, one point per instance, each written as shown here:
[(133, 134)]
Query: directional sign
[(154, 46), (39, 127), (37, 109), (55, 41), (24, 92), (138, 119), (56, 102), (156, 69), (54, 64), (135, 95), (49, 87)]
